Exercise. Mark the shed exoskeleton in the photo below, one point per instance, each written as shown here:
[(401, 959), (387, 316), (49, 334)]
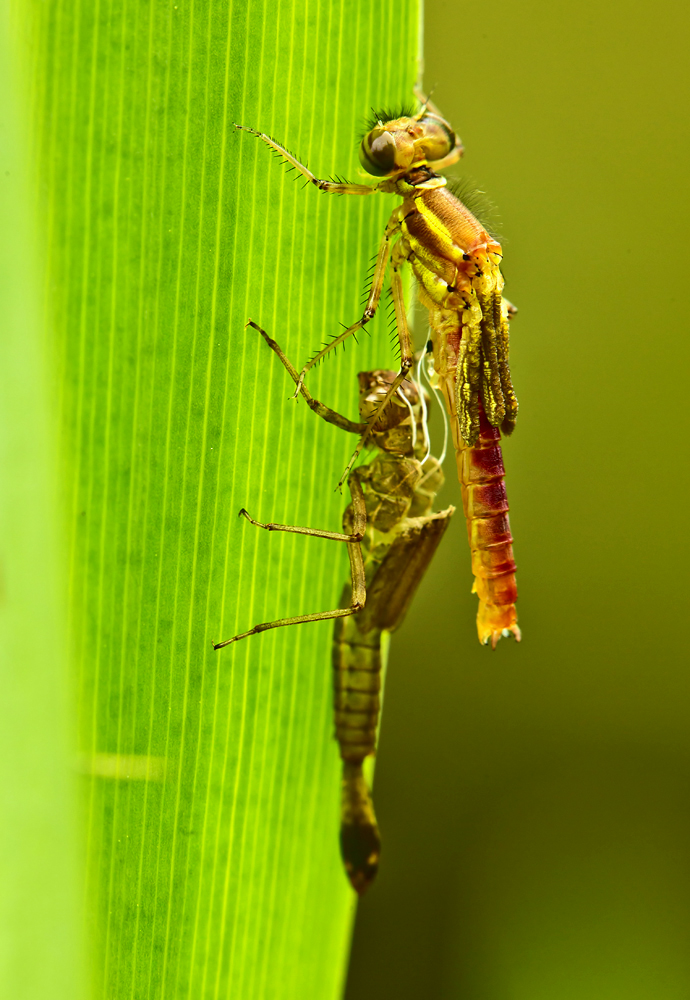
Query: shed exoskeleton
[(391, 534)]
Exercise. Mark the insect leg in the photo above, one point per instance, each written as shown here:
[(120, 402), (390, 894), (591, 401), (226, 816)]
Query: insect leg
[(330, 187), (406, 351), (354, 551), (392, 228), (323, 411), (294, 529)]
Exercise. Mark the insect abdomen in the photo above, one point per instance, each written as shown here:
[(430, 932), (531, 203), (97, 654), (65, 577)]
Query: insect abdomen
[(485, 501), (356, 688)]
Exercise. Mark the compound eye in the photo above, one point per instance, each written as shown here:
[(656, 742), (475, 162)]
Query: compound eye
[(377, 153), (439, 137)]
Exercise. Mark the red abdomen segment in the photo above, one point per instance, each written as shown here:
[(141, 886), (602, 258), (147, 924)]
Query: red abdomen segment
[(484, 498)]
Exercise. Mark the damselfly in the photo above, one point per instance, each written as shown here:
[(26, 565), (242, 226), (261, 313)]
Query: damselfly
[(457, 266), (391, 536)]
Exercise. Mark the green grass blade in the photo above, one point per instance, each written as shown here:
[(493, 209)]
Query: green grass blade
[(166, 229), (41, 925)]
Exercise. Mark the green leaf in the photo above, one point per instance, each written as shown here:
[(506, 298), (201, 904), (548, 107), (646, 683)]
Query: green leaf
[(41, 939), (212, 779)]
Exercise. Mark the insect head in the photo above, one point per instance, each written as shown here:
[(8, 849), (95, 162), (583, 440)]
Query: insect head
[(397, 146)]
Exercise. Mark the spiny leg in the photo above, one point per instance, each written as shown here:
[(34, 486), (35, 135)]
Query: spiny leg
[(406, 352), (323, 411), (373, 298), (354, 551), (330, 187)]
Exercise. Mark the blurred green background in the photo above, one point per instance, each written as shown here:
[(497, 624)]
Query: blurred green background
[(534, 801)]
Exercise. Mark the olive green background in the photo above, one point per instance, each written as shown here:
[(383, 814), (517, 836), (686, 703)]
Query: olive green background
[(534, 801)]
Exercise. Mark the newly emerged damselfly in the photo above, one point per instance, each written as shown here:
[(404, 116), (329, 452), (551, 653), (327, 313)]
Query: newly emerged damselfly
[(391, 536), (457, 266)]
